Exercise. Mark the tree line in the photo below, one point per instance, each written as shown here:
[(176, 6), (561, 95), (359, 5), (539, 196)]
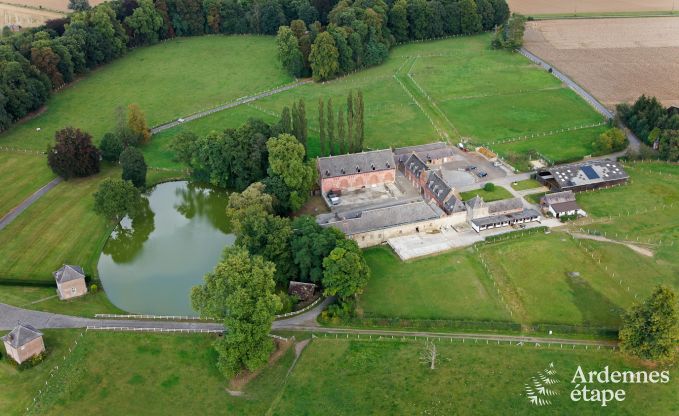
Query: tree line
[(654, 125), (359, 34), (350, 129)]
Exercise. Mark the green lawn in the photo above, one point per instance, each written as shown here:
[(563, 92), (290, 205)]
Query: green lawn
[(449, 286), (525, 185), (45, 299), (386, 377), (495, 195), (169, 80), (533, 273), (21, 174), (61, 227)]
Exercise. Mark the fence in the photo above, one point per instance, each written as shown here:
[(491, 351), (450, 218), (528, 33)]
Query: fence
[(301, 311), (133, 329), (160, 317), (18, 150)]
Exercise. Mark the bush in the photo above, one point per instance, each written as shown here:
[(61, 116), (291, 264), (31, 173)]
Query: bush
[(489, 187), (111, 147), (30, 363), (73, 154), (288, 302), (134, 166), (94, 288)]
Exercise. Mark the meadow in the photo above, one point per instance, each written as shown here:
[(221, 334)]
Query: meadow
[(164, 80), (21, 174), (45, 299), (163, 373), (496, 194), (450, 286)]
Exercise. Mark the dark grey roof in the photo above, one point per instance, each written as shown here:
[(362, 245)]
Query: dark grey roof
[(565, 206), (587, 173), (387, 217), (499, 219), (476, 202), (425, 152), (505, 205), (342, 165), (415, 165), (453, 205), (68, 272), (558, 197), (438, 187), (21, 335)]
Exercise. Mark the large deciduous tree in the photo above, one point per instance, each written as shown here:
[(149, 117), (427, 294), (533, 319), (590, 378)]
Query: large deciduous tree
[(73, 154), (288, 51), (345, 272), (324, 57), (116, 198), (240, 291), (145, 23), (311, 243), (651, 329), (286, 159), (111, 147), (136, 121), (134, 166)]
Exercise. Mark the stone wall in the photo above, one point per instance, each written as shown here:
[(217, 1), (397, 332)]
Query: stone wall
[(358, 180)]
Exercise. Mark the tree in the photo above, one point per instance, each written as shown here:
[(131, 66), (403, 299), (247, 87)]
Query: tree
[(398, 20), (184, 146), (253, 201), (240, 291), (470, 21), (651, 329), (321, 126), (324, 57), (134, 166), (609, 141), (286, 159), (117, 198), (299, 122), (359, 121), (341, 136), (428, 355), (331, 128), (289, 53), (280, 192), (269, 236), (417, 19), (489, 187), (136, 121), (73, 154), (510, 35), (285, 123), (78, 5), (145, 23), (668, 145), (345, 272), (111, 147), (310, 244), (350, 137)]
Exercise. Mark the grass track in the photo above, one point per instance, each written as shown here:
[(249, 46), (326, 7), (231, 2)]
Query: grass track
[(21, 174)]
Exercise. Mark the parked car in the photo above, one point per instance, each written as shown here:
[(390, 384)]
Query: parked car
[(481, 174), (334, 200), (471, 168)]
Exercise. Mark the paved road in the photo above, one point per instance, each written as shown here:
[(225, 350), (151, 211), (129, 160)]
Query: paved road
[(235, 103), (11, 315), (10, 216), (634, 142)]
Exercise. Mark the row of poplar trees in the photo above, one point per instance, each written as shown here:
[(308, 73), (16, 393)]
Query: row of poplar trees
[(350, 128)]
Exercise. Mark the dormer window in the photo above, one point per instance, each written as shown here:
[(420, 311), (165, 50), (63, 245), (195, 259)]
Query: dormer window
[(343, 171), (388, 166), (327, 173), (372, 165), (358, 169)]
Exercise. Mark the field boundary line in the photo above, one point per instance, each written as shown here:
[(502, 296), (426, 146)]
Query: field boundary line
[(6, 219), (546, 133)]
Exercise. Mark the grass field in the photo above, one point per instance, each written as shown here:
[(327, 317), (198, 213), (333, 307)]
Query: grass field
[(21, 174), (495, 195), (450, 286), (525, 185), (538, 287), (127, 373), (164, 80), (45, 299), (61, 227)]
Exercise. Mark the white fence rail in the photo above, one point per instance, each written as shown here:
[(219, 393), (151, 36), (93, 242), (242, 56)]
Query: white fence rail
[(301, 311), (131, 329), (159, 317)]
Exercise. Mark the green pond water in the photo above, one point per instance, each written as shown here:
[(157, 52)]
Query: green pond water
[(151, 262)]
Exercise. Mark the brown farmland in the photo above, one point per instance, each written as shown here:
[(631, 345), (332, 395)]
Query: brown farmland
[(616, 60), (529, 7), (58, 5)]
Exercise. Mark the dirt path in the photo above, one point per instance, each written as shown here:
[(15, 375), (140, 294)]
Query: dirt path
[(641, 250)]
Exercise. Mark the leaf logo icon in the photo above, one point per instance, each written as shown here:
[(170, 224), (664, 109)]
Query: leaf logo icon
[(540, 389)]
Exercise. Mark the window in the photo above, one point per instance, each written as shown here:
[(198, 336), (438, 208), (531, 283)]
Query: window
[(73, 290)]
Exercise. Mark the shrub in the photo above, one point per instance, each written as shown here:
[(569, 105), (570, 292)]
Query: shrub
[(73, 154), (489, 187), (134, 166), (111, 147), (94, 288)]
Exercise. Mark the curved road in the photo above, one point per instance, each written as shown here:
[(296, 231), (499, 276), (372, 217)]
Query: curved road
[(11, 315)]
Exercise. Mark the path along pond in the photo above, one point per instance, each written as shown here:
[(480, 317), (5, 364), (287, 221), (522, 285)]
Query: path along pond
[(150, 262)]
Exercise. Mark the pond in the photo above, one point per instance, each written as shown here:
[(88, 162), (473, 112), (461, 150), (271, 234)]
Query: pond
[(150, 263)]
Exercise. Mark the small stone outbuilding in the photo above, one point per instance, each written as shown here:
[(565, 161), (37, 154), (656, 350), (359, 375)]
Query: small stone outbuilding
[(304, 291), (23, 343), (70, 282)]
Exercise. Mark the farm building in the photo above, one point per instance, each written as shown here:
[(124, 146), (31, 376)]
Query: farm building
[(504, 213), (70, 281), (431, 185), (304, 291), (23, 342), (375, 226), (582, 176), (561, 203), (356, 171), (431, 153)]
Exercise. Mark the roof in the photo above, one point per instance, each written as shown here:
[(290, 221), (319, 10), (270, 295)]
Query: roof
[(301, 284), (68, 272), (21, 335), (476, 202), (438, 187), (558, 197), (351, 164), (425, 152), (387, 217), (415, 165), (505, 205), (565, 206), (453, 205), (498, 219), (587, 173)]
